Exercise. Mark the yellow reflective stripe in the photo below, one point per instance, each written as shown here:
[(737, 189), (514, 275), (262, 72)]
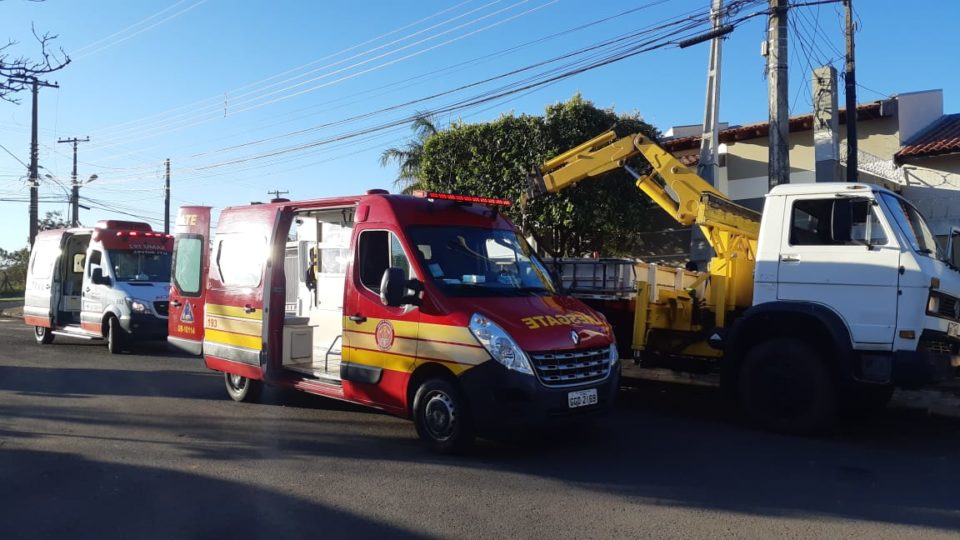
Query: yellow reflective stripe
[(457, 353), (445, 332), (237, 340), (401, 345), (406, 329), (381, 359), (233, 311), (236, 326), (395, 362)]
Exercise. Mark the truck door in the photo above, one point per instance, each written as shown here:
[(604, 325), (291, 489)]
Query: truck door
[(236, 318), (379, 342), (191, 260), (43, 283), (841, 252)]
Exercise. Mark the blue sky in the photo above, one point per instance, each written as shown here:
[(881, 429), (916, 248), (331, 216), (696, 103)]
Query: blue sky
[(250, 96)]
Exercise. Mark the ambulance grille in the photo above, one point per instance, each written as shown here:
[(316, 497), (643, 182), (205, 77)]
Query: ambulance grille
[(948, 307), (161, 308), (938, 346), (569, 368)]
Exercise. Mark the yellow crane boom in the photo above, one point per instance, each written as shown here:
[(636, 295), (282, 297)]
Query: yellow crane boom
[(731, 229)]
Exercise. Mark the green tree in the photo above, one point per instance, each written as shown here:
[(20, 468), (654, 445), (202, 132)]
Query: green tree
[(493, 159), (53, 220), (409, 157)]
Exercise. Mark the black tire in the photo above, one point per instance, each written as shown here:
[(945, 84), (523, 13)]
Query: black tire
[(242, 388), (116, 336), (43, 335), (441, 417), (785, 386)]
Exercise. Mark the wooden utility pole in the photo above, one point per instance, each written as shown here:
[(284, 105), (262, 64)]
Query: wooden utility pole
[(850, 88), (779, 131), (34, 154), (826, 125), (75, 186), (166, 198)]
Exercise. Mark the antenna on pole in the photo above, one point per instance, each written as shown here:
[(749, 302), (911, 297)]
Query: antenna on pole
[(277, 196)]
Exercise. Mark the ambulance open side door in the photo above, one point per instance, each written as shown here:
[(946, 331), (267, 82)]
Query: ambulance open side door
[(188, 283)]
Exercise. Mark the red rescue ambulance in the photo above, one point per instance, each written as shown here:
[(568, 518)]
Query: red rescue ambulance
[(431, 307)]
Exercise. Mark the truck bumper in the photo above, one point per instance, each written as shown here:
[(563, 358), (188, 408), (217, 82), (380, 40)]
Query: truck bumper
[(912, 369), (503, 401), (936, 360), (145, 327)]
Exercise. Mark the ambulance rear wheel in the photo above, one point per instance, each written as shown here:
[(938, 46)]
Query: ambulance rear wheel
[(116, 337), (241, 388), (441, 418), (44, 335)]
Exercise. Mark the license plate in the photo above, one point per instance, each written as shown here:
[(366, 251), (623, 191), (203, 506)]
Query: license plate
[(953, 329), (582, 398)]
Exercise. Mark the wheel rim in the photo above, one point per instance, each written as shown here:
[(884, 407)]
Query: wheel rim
[(236, 382), (40, 331), (440, 416)]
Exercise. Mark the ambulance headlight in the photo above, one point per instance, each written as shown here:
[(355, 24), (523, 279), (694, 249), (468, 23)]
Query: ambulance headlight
[(499, 344), (614, 355), (933, 304), (139, 306)]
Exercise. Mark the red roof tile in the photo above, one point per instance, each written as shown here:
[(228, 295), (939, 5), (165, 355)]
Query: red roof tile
[(870, 111), (942, 137)]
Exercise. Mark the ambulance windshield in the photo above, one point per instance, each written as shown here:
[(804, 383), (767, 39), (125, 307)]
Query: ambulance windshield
[(140, 265), (469, 261)]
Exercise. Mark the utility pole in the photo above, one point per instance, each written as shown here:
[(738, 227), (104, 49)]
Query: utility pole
[(34, 154), (850, 87), (166, 198), (826, 125), (709, 166), (75, 186), (779, 132)]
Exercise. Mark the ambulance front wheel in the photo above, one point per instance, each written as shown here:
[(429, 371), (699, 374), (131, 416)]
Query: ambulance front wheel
[(116, 336), (44, 335), (241, 388), (441, 418)]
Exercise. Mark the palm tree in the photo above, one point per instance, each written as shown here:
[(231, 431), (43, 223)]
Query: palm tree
[(408, 157)]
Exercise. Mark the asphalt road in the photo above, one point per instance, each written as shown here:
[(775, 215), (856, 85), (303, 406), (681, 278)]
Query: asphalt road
[(148, 446)]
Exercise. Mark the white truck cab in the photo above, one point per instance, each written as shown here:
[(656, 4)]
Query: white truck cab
[(866, 261), (108, 282)]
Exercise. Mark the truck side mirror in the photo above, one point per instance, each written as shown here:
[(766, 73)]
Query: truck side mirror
[(98, 278), (393, 288), (953, 251)]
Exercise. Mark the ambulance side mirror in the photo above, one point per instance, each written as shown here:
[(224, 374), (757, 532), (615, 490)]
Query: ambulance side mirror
[(98, 278), (393, 288)]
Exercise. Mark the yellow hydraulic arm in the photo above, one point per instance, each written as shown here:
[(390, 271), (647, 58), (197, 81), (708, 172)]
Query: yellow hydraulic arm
[(731, 229)]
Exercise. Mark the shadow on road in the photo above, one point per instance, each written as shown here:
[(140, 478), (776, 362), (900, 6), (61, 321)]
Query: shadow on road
[(96, 499), (677, 446)]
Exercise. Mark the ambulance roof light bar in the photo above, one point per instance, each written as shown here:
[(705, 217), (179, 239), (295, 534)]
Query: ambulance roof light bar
[(461, 198)]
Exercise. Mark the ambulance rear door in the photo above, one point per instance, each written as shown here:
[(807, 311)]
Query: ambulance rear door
[(237, 315), (188, 279), (43, 279)]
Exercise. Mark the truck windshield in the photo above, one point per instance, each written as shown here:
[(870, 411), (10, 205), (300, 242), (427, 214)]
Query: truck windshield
[(914, 226), (140, 265), (470, 261)]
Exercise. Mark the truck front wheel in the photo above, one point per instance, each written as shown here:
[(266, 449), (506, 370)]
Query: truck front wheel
[(441, 418), (785, 386)]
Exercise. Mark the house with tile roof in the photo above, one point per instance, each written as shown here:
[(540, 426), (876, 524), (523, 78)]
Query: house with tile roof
[(905, 143)]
